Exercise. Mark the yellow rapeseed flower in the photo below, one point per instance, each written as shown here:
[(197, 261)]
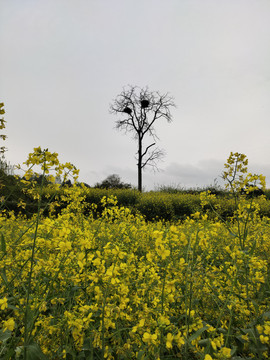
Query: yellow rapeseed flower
[(141, 323), (267, 329), (264, 339), (169, 341), (226, 352), (3, 303), (9, 324), (65, 245), (149, 338)]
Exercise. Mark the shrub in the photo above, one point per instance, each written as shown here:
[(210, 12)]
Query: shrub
[(113, 182), (184, 205), (155, 205)]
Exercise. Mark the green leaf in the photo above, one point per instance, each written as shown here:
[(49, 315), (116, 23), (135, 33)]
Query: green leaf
[(233, 350), (3, 244), (87, 345), (251, 333), (4, 277), (266, 315), (197, 333), (34, 352), (140, 354), (4, 336), (223, 331), (204, 342)]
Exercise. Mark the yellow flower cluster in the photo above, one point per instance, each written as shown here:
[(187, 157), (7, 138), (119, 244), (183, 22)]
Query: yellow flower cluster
[(115, 286), (234, 174), (122, 285), (48, 163)]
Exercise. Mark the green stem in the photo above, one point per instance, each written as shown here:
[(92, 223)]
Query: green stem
[(27, 334), (162, 310), (102, 321)]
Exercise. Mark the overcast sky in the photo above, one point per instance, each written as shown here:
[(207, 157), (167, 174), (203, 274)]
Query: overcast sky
[(62, 63)]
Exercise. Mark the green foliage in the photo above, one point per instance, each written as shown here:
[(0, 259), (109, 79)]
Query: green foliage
[(113, 182), (155, 206), (177, 189), (166, 206), (14, 196), (171, 207), (11, 191), (171, 189), (184, 205), (169, 203)]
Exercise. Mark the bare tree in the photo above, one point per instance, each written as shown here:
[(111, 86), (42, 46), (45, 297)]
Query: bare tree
[(140, 109)]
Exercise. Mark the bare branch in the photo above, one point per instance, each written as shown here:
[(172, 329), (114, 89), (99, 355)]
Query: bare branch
[(155, 156), (148, 147)]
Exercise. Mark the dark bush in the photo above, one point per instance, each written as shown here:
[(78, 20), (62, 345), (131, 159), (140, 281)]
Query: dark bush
[(113, 182), (184, 205)]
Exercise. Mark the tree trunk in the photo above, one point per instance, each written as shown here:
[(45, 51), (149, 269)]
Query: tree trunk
[(140, 164)]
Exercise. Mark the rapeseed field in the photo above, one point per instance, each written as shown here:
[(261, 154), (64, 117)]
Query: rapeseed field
[(119, 287)]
